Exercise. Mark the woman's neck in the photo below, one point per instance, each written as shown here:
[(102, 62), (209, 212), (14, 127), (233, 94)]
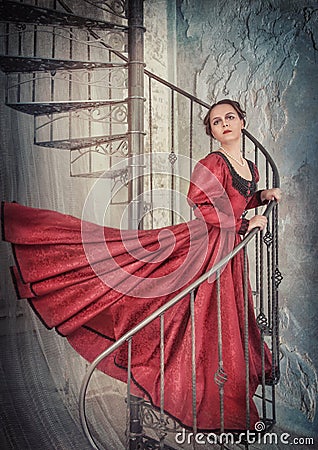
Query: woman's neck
[(234, 154), (234, 149)]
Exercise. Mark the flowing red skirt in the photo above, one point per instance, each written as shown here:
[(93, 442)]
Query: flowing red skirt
[(93, 284)]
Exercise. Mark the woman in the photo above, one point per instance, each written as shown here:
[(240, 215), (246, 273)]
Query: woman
[(93, 283)]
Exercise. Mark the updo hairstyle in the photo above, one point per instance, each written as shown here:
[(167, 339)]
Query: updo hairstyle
[(241, 113)]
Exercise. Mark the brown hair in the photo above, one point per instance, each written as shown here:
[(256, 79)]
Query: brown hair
[(241, 113)]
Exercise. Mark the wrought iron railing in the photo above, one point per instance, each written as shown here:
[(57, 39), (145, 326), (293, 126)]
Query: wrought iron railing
[(266, 279)]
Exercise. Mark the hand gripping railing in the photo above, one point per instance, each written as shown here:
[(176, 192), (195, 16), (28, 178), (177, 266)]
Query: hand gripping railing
[(266, 327)]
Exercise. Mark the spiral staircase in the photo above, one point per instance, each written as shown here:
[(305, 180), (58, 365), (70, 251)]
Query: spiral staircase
[(83, 81)]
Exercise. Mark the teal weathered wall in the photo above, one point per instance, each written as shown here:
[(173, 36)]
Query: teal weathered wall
[(264, 54)]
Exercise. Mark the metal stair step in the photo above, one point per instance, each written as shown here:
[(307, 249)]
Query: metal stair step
[(109, 174), (78, 143), (44, 108), (32, 64), (23, 13)]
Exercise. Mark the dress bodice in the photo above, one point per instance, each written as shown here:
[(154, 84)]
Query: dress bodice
[(218, 191)]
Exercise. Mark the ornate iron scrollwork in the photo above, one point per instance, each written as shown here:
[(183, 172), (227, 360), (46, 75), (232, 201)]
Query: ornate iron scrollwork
[(278, 277), (115, 7), (117, 114), (268, 238), (262, 323), (220, 377), (151, 419), (172, 158), (112, 148)]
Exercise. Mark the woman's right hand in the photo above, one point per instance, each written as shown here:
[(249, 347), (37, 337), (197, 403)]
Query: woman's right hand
[(257, 222)]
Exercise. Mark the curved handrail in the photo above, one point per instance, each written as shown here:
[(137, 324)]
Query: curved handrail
[(266, 154), (127, 336)]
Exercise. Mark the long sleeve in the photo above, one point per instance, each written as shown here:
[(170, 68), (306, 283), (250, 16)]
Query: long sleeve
[(207, 194), (255, 200)]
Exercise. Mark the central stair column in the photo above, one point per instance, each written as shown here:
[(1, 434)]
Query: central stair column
[(135, 153), (135, 112)]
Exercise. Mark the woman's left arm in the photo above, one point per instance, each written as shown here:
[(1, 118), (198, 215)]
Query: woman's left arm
[(263, 196)]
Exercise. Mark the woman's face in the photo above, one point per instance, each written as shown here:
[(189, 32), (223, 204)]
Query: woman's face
[(226, 126)]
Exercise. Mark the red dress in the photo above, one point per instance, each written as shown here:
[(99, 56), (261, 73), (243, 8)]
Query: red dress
[(93, 284)]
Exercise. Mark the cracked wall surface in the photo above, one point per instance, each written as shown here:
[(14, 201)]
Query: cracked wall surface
[(264, 54)]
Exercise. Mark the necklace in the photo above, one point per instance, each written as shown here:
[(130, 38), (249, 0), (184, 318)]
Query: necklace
[(241, 163)]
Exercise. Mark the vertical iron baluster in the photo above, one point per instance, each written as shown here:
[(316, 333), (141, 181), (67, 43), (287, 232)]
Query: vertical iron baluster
[(267, 174), (34, 54), (194, 374), (261, 272), (133, 410), (263, 320), (172, 161), (128, 396), (52, 81), (70, 93), (273, 315), (220, 376), (269, 279), (19, 74), (109, 123), (257, 289), (34, 81), (6, 88), (191, 145), (89, 87), (268, 255), (161, 430), (151, 149), (89, 96), (7, 28), (255, 155), (273, 404), (263, 386), (243, 145), (259, 309), (246, 354), (276, 318), (272, 275)]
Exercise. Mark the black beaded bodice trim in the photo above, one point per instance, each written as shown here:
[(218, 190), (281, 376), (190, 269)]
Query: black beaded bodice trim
[(245, 187)]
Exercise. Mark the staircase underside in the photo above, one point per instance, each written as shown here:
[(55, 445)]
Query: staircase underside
[(25, 64), (75, 144), (43, 108), (21, 13)]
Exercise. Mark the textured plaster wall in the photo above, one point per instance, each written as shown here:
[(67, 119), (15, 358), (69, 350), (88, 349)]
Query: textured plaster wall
[(264, 54), (156, 55)]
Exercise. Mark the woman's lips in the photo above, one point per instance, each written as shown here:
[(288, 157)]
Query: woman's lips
[(227, 131)]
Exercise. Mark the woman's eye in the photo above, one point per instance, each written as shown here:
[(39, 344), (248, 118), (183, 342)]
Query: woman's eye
[(231, 117), (216, 122)]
